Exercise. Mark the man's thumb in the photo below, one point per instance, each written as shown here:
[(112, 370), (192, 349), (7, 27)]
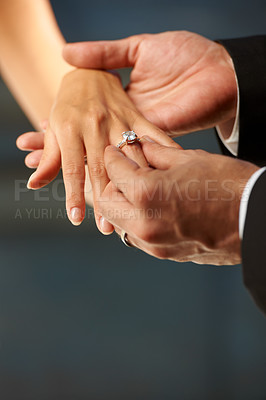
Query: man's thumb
[(158, 156), (102, 54)]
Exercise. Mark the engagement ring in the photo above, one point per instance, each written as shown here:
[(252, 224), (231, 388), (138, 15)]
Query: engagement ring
[(129, 137)]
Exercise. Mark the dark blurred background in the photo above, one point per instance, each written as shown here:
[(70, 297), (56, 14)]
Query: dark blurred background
[(82, 316)]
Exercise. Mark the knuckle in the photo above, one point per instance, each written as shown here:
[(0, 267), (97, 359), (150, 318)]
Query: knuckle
[(97, 168), (69, 127), (97, 115), (116, 115), (152, 236), (200, 152), (73, 171), (129, 190), (151, 230), (142, 194), (137, 195), (146, 233), (142, 200), (160, 252)]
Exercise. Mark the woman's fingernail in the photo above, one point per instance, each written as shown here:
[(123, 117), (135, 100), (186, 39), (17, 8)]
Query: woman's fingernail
[(105, 226), (29, 181), (148, 139), (76, 216)]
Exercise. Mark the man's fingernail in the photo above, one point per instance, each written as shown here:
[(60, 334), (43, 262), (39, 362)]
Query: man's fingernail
[(148, 139), (105, 226), (76, 216), (30, 179)]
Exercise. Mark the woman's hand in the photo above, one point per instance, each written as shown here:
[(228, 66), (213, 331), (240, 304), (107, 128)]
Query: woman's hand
[(90, 112), (34, 143)]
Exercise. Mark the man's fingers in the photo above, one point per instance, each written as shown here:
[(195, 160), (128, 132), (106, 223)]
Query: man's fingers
[(135, 153), (120, 168), (103, 54), (146, 128), (32, 160), (158, 156), (49, 164), (114, 207), (98, 174), (30, 141)]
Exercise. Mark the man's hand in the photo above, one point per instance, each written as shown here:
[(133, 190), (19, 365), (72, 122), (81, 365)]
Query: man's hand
[(184, 207), (180, 81)]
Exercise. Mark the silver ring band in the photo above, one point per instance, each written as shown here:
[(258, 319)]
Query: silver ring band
[(125, 240)]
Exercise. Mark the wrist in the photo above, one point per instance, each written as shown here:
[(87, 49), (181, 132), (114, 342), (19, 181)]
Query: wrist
[(226, 128), (229, 130), (231, 88)]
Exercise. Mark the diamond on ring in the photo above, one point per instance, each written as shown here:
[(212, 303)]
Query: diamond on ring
[(129, 137)]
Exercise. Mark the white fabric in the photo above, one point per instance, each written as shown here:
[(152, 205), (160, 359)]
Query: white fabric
[(232, 142), (232, 145), (244, 199)]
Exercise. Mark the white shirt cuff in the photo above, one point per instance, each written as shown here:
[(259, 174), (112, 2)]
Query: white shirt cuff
[(244, 199), (232, 142)]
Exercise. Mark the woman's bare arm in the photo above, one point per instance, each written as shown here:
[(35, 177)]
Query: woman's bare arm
[(30, 55), (87, 109)]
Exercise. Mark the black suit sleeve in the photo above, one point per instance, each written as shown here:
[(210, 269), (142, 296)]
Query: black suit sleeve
[(249, 58), (254, 243)]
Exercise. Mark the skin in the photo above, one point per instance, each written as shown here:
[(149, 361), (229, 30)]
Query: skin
[(26, 55), (183, 207), (197, 191), (87, 110), (190, 86), (181, 81), (198, 91), (90, 112)]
